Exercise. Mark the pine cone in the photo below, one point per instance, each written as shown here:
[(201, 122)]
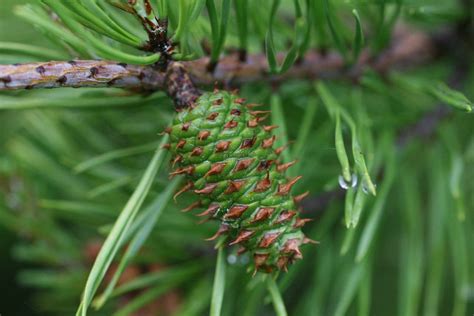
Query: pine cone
[(230, 163)]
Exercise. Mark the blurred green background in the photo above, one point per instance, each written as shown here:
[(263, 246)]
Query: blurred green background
[(64, 138)]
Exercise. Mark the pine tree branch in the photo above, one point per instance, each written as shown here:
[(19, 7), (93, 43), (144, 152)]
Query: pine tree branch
[(408, 49), (78, 74)]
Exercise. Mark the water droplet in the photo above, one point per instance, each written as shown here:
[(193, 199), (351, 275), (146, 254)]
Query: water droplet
[(343, 184), (354, 180), (244, 259), (232, 259), (365, 189)]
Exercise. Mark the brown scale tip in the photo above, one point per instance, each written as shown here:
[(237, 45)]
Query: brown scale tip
[(234, 186), (243, 164), (166, 131), (268, 142), (307, 240), (203, 135), (260, 259), (192, 206), (285, 216), (268, 239), (211, 210), (222, 230), (279, 150), (212, 116), (217, 102), (282, 263), (184, 170), (263, 185), (253, 105), (235, 112), (185, 126), (269, 128), (240, 101), (241, 250), (208, 189), (166, 146), (236, 211), (204, 220), (243, 236), (297, 199), (254, 122), (263, 213), (284, 166), (181, 143), (216, 169), (264, 164), (284, 189), (222, 145), (247, 143), (292, 247), (185, 188), (300, 222), (256, 113), (176, 159), (197, 151), (230, 124)]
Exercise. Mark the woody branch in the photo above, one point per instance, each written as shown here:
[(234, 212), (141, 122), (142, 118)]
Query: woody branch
[(407, 49)]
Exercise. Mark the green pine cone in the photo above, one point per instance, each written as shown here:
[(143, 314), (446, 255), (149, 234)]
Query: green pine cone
[(230, 162)]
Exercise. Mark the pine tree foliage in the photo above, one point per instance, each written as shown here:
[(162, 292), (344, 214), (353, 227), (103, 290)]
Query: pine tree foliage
[(372, 98)]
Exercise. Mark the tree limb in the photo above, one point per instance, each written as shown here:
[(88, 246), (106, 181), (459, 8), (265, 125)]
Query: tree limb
[(79, 73), (408, 49)]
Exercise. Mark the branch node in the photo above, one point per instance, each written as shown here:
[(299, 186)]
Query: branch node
[(180, 86)]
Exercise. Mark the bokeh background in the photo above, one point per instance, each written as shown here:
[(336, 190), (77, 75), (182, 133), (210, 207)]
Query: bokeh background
[(43, 265)]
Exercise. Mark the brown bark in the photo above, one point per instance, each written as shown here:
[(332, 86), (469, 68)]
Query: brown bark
[(408, 48)]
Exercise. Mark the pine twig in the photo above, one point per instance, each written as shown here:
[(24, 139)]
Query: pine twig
[(408, 49), (78, 74)]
